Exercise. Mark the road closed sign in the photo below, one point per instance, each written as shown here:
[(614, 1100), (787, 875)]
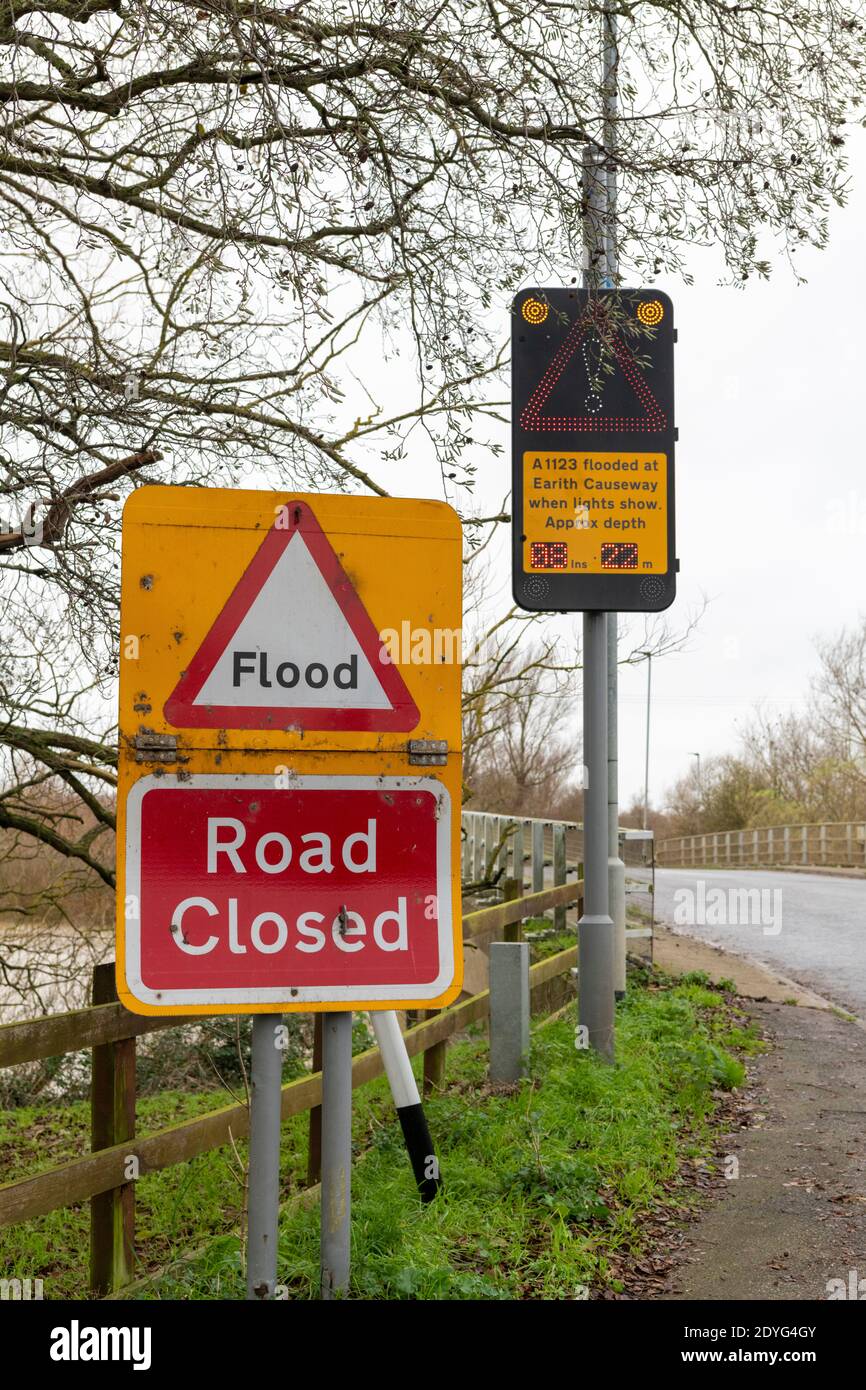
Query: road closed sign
[(329, 889), (290, 753)]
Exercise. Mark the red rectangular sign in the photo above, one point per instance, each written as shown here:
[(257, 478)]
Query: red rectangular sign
[(332, 889)]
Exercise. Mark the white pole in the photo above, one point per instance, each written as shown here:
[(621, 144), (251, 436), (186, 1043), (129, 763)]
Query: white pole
[(410, 1111)]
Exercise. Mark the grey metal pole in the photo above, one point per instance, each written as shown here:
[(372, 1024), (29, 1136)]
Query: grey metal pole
[(595, 940), (610, 107), (649, 678), (595, 929), (336, 1154), (263, 1194), (615, 865)]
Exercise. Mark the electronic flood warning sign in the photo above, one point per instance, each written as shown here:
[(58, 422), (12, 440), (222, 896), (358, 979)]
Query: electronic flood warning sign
[(593, 450)]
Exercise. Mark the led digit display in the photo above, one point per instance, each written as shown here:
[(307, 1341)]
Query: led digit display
[(619, 555), (549, 555)]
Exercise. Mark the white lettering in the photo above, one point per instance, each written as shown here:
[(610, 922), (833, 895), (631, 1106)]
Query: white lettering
[(362, 837), (256, 933), (401, 941), (315, 938), (340, 930), (214, 823), (322, 852), (274, 838), (177, 926)]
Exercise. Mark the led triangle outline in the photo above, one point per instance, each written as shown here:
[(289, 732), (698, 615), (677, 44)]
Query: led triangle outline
[(654, 421), (180, 708)]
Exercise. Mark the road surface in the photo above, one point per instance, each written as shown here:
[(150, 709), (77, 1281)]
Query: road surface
[(809, 927)]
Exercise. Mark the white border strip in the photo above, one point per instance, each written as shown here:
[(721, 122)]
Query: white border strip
[(313, 994)]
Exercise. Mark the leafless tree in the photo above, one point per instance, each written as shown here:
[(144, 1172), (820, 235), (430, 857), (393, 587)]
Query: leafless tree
[(216, 214), (793, 767)]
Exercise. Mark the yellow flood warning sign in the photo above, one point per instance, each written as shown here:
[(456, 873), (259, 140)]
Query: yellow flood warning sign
[(290, 763), (601, 512)]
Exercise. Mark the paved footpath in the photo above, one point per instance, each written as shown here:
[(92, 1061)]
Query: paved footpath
[(795, 1217)]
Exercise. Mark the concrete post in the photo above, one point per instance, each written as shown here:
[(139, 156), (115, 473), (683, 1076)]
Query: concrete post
[(509, 1010)]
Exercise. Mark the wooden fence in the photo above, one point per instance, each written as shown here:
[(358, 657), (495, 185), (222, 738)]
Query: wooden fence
[(103, 1177), (836, 844)]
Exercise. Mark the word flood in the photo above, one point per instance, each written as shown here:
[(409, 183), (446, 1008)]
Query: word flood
[(267, 671)]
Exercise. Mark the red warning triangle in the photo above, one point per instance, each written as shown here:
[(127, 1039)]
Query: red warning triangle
[(651, 419), (294, 647)]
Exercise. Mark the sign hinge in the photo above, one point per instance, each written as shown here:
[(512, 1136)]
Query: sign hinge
[(155, 748), (428, 752)]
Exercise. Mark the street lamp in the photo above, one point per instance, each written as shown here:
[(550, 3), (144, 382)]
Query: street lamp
[(697, 756), (698, 770)]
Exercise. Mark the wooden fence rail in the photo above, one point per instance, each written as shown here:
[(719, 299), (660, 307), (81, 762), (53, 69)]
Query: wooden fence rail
[(833, 844), (104, 1176)]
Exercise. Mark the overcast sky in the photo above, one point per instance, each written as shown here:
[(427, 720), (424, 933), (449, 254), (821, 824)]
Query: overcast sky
[(771, 500), (771, 509)]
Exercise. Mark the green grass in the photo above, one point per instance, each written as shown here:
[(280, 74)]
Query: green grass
[(543, 1183)]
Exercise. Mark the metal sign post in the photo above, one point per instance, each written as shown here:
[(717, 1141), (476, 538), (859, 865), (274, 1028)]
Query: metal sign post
[(336, 1154), (596, 984), (595, 928), (615, 865), (263, 1185), (593, 514)]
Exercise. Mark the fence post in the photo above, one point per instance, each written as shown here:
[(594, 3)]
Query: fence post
[(434, 1063), (519, 850), (513, 931), (537, 856), (786, 849), (478, 865), (112, 1120), (559, 873), (487, 848), (822, 843)]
